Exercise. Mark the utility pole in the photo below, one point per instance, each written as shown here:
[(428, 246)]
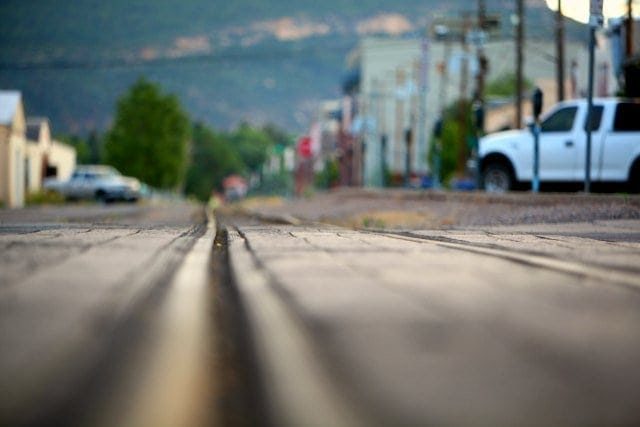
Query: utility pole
[(359, 139), (629, 31), (443, 86), (560, 51), (464, 66), (463, 101), (482, 60), (408, 139), (592, 42), (409, 132), (519, 60), (423, 81), (382, 109), (444, 76), (400, 121), (595, 20)]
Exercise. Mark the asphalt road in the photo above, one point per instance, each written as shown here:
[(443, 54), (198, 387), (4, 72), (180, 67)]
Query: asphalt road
[(494, 326), (133, 315), (96, 319)]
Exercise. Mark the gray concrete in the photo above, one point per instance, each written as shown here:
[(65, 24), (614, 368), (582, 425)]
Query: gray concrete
[(529, 326)]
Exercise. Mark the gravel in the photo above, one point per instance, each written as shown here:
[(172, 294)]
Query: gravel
[(393, 208)]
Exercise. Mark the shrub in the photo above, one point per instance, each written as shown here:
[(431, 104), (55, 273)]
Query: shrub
[(44, 197)]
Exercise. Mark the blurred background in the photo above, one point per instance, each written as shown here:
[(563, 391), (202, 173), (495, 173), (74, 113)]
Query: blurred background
[(291, 96)]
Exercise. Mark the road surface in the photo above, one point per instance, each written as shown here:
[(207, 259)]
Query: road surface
[(500, 326), (104, 315), (138, 315)]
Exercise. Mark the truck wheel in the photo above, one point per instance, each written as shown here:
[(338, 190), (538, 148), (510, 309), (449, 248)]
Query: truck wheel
[(496, 178), (634, 178)]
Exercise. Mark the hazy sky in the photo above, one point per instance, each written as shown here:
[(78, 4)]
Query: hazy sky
[(579, 9)]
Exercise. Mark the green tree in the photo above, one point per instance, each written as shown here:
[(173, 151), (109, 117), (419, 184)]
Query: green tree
[(455, 142), (150, 135), (449, 147), (94, 142), (252, 145), (212, 159), (83, 151), (277, 135), (88, 150), (329, 176)]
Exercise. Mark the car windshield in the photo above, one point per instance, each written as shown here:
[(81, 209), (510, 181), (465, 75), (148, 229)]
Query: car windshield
[(96, 173), (108, 174), (102, 175)]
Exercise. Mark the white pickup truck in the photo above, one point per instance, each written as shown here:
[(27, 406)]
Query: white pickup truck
[(506, 158)]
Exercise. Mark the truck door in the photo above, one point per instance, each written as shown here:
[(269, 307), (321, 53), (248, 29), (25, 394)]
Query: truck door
[(558, 148), (621, 142), (597, 139)]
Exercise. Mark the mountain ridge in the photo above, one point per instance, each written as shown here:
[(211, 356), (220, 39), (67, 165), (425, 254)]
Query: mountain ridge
[(242, 63)]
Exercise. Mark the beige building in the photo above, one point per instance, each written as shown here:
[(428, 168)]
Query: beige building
[(13, 149), (46, 157), (28, 153), (393, 71), (62, 160), (38, 147)]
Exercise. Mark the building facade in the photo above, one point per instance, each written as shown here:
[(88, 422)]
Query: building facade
[(13, 149), (407, 83), (61, 160), (38, 147), (28, 153)]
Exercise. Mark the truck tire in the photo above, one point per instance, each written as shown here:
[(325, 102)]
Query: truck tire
[(497, 178), (633, 184)]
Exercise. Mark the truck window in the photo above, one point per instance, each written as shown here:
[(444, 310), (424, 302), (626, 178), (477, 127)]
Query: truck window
[(627, 117), (595, 119), (560, 121)]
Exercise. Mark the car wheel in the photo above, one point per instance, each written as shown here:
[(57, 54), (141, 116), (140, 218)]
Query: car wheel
[(101, 196), (496, 178)]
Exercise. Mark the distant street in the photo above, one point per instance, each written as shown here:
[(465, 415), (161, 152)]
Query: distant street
[(138, 315)]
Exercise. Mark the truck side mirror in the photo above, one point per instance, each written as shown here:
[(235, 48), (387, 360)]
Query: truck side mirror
[(536, 100)]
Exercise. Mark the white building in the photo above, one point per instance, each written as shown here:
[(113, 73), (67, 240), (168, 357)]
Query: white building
[(395, 73)]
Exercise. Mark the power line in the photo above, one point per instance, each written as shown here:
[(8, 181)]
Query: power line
[(560, 52)]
